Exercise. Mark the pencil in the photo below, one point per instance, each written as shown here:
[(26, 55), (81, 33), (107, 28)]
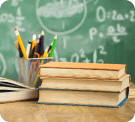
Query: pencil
[(16, 45), (54, 42), (20, 43), (35, 47), (38, 45), (28, 48), (33, 41), (42, 43), (45, 52), (44, 55), (39, 35), (32, 53), (50, 47), (48, 54), (20, 51)]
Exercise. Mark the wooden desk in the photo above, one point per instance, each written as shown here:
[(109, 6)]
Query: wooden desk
[(31, 112)]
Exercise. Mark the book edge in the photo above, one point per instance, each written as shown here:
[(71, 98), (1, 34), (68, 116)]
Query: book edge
[(119, 105), (85, 77), (15, 82), (63, 67)]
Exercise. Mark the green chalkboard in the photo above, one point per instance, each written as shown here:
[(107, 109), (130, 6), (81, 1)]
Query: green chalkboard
[(96, 31)]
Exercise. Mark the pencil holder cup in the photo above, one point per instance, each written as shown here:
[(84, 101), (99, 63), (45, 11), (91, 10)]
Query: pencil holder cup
[(29, 70)]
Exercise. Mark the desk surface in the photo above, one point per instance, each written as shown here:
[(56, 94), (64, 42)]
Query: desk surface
[(31, 112)]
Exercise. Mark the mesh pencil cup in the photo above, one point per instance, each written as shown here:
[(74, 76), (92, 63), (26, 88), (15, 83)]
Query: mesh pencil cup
[(29, 70)]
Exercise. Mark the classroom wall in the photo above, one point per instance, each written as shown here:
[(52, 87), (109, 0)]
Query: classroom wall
[(95, 31)]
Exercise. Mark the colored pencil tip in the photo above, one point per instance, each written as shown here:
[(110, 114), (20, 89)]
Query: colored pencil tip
[(46, 49), (42, 33), (34, 36), (15, 29), (38, 35), (55, 36)]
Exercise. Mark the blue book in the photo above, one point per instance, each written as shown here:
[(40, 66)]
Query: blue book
[(82, 98)]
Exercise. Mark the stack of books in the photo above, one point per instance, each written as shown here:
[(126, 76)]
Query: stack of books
[(87, 84)]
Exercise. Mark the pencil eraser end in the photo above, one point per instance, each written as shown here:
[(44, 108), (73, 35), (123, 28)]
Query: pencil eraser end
[(15, 29)]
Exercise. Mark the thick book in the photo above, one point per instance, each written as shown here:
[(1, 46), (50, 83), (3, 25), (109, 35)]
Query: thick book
[(86, 84), (82, 70), (83, 98), (11, 91)]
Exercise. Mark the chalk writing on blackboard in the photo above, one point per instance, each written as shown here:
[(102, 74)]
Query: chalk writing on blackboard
[(102, 15), (112, 31), (7, 17), (16, 2), (10, 18), (19, 19), (61, 13)]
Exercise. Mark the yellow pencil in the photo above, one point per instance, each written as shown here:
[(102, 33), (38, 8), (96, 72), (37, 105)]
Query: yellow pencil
[(45, 52), (44, 55), (33, 41), (20, 43)]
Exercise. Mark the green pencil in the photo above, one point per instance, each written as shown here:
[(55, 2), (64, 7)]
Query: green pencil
[(54, 42)]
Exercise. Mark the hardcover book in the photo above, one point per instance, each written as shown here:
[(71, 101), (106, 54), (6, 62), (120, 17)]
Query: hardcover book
[(83, 70), (84, 98), (86, 84)]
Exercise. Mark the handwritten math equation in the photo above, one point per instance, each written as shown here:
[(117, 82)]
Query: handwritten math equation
[(113, 31), (19, 17), (102, 15), (81, 56), (10, 18)]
